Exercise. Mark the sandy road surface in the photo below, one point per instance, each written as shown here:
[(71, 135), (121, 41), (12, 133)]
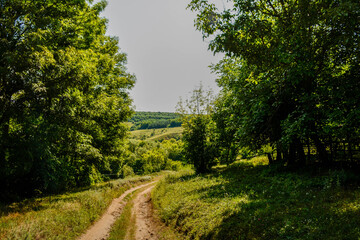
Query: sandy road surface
[(100, 230), (146, 226)]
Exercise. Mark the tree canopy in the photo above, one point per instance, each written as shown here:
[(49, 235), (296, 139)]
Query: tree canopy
[(199, 129), (63, 94), (291, 72)]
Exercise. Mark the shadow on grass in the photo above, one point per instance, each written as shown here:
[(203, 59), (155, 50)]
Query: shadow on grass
[(259, 221), (284, 204), (46, 201), (33, 204)]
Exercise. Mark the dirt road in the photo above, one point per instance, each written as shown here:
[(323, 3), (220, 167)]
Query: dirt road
[(146, 226), (100, 230)]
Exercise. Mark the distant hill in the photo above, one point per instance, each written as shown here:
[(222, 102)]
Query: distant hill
[(153, 120), (158, 134)]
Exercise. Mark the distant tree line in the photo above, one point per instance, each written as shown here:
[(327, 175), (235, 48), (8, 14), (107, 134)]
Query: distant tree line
[(153, 120)]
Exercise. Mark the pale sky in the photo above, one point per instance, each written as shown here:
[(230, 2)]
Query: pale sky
[(165, 52)]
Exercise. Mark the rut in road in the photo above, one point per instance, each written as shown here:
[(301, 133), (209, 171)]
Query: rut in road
[(100, 230), (146, 226)]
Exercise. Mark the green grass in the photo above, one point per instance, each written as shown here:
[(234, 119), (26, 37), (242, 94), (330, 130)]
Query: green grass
[(64, 216), (157, 134), (250, 200)]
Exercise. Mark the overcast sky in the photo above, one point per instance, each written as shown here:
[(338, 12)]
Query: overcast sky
[(165, 52)]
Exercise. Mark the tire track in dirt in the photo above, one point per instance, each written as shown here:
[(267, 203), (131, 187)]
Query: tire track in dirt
[(146, 226), (100, 230)]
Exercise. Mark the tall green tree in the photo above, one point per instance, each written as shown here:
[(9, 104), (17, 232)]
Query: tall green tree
[(227, 141), (63, 94), (199, 135), (294, 72)]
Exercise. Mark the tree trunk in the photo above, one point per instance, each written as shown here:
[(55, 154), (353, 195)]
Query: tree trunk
[(292, 154), (279, 157), (270, 158), (309, 150), (300, 152), (320, 148), (331, 151), (3, 150), (286, 155)]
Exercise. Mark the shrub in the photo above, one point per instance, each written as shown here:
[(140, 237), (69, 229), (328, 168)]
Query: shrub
[(127, 171)]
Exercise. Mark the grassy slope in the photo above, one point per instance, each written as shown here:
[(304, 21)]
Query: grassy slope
[(63, 216), (252, 201), (156, 134)]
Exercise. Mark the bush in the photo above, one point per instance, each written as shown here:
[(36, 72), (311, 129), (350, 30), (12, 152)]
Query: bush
[(155, 160), (199, 144), (173, 165), (148, 156), (174, 148), (126, 171)]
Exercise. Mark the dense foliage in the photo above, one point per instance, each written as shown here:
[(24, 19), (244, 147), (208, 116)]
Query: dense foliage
[(153, 120), (199, 129), (63, 95), (144, 157), (290, 78)]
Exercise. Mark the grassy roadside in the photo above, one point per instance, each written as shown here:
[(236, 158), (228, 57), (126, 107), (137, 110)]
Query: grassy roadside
[(250, 200), (64, 216)]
